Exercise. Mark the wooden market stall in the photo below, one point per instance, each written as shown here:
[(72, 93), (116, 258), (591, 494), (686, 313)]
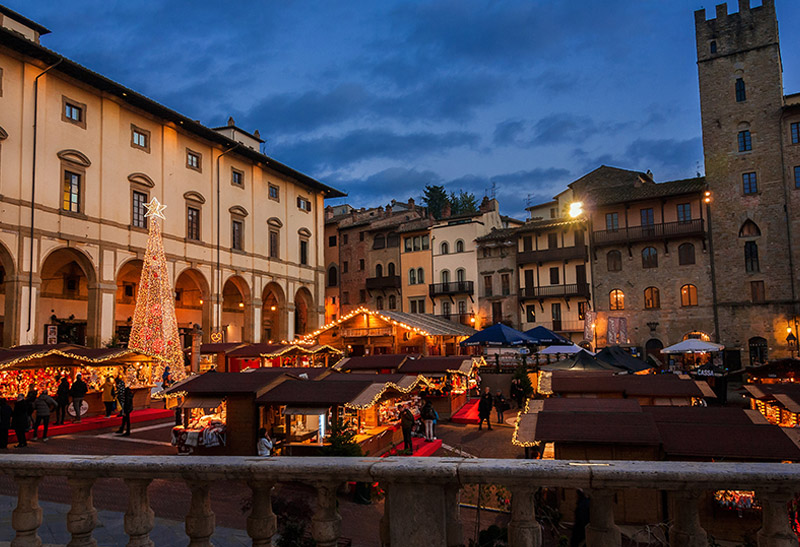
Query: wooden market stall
[(778, 403), (367, 332), (450, 379), (42, 366), (239, 357), (774, 372), (214, 356)]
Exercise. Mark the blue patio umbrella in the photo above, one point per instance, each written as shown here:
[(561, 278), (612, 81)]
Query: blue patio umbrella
[(542, 336), (497, 335)]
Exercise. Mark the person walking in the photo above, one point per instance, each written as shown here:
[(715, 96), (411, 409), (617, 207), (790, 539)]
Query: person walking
[(30, 399), (19, 420), (121, 392), (62, 398), (407, 424), (5, 422), (78, 392), (265, 444), (485, 408), (514, 392), (500, 405), (428, 415), (127, 409), (44, 404), (109, 396)]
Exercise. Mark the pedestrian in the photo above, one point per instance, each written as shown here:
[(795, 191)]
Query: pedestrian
[(578, 538), (30, 398), (485, 408), (127, 409), (166, 378), (515, 388), (5, 422), (78, 392), (44, 404), (19, 420), (265, 444), (109, 396), (62, 398), (435, 423), (120, 392), (428, 415), (407, 424), (500, 405)]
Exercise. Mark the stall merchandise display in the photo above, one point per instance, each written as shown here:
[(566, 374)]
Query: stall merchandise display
[(14, 382), (204, 430), (737, 499)]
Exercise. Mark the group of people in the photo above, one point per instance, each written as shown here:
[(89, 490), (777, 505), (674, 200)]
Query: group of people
[(429, 418), (488, 402), (34, 409)]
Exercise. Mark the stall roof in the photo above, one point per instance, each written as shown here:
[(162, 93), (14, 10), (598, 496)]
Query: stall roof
[(250, 351), (221, 347), (590, 427), (433, 325), (618, 357), (560, 404), (734, 441), (438, 365), (581, 360), (652, 385), (390, 361), (403, 381), (313, 373), (307, 393), (498, 335), (201, 402), (71, 352), (703, 415), (224, 383)]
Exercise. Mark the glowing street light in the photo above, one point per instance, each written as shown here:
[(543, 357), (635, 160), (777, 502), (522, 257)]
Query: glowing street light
[(575, 209)]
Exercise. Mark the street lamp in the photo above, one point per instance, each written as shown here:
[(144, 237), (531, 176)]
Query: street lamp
[(791, 341), (575, 209)]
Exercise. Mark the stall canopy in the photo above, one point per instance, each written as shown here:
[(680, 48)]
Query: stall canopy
[(545, 337), (618, 357), (582, 360), (201, 402), (439, 366), (498, 335), (65, 355), (565, 350), (693, 345), (378, 363)]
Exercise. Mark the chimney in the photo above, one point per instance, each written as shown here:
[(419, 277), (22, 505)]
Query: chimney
[(410, 203), (446, 210), (231, 123), (328, 212)]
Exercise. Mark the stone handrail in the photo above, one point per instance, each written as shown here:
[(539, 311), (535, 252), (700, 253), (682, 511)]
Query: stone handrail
[(422, 494)]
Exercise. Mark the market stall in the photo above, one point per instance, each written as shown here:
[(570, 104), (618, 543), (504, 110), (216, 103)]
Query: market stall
[(449, 380), (779, 403)]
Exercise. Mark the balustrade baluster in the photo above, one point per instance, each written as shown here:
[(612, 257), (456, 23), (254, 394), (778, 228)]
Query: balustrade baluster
[(523, 530), (686, 530), (601, 530), (418, 514), (262, 522), (775, 529), (455, 531), (82, 516), (139, 518), (200, 520), (383, 527), (326, 522), (27, 516)]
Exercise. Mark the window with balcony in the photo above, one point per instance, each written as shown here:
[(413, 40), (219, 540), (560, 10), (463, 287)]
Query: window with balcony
[(530, 313), (749, 183), (741, 93), (390, 269), (505, 284), (647, 216), (445, 276), (614, 261), (652, 299), (751, 257), (461, 275), (379, 270), (745, 141), (686, 254), (649, 257), (684, 212), (554, 276), (616, 300), (688, 295), (527, 243), (612, 222), (487, 285), (552, 241)]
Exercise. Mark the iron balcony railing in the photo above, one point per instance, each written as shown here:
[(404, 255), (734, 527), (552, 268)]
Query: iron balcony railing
[(665, 230), (571, 289), (385, 282), (453, 287), (579, 252)]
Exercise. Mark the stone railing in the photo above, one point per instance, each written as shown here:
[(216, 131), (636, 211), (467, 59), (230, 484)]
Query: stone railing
[(422, 494)]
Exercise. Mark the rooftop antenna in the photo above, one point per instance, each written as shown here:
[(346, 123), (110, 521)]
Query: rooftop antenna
[(494, 189)]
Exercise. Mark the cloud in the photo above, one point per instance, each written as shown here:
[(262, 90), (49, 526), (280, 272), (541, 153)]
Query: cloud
[(509, 132), (675, 155), (563, 127)]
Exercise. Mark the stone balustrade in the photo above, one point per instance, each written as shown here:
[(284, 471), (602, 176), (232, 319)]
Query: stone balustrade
[(422, 494)]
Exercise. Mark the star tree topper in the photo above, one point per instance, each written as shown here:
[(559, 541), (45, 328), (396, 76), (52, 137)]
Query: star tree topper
[(155, 209)]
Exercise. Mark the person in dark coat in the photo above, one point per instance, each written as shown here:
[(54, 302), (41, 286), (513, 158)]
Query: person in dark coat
[(515, 389), (62, 398), (78, 391), (19, 420), (5, 422), (43, 405), (30, 398), (127, 409), (485, 408), (120, 391), (407, 424), (500, 405), (578, 537)]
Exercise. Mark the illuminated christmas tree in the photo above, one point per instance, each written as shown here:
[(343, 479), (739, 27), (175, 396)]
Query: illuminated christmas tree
[(155, 329)]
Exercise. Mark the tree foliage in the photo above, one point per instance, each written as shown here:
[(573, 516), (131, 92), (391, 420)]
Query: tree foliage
[(463, 202), (435, 198), (342, 441), (525, 385)]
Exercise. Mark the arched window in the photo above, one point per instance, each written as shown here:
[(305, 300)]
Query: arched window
[(749, 229), (652, 299), (412, 276), (390, 269), (420, 275), (445, 276), (686, 254), (751, 257), (378, 271), (688, 295), (459, 246), (333, 277), (741, 94), (614, 261), (379, 302), (461, 275), (758, 350), (616, 300), (649, 257), (445, 248), (392, 301)]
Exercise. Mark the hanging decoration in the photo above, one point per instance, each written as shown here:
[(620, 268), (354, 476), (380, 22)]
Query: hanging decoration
[(155, 329)]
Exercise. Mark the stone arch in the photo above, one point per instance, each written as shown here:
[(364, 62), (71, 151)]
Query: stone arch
[(758, 350), (142, 179), (237, 311), (652, 349), (749, 229), (8, 296), (305, 316), (3, 134), (273, 313), (193, 302), (69, 298)]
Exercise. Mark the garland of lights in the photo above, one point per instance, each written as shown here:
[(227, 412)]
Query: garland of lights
[(81, 358), (389, 385), (294, 346), (154, 330), (515, 440), (372, 313)]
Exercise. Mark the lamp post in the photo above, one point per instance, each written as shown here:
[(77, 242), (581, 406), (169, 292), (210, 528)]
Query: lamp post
[(791, 341)]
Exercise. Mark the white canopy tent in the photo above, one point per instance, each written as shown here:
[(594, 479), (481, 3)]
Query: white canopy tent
[(693, 345)]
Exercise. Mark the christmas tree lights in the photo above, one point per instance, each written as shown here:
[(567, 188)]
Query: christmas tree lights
[(155, 329)]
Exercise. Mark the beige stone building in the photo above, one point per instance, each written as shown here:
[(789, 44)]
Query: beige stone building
[(416, 265), (242, 231), (498, 295)]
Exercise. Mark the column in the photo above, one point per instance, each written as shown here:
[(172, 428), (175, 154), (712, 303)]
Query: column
[(601, 531), (262, 523), (523, 530), (326, 522), (775, 529), (82, 516), (455, 531), (289, 321), (200, 520), (686, 530), (100, 311), (139, 518), (27, 517), (257, 330), (384, 529)]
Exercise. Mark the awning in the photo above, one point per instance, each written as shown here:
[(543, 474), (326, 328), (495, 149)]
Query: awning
[(305, 411), (201, 402)]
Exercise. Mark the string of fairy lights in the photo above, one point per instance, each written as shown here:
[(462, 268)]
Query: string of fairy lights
[(387, 386), (66, 354), (372, 313)]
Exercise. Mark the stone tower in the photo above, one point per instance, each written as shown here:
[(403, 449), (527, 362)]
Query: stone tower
[(749, 169)]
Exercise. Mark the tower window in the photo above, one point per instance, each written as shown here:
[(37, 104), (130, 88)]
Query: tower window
[(741, 94), (713, 46), (749, 183), (795, 133), (751, 257), (797, 176), (745, 141)]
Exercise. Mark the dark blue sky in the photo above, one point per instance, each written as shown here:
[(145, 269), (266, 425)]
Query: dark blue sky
[(381, 98)]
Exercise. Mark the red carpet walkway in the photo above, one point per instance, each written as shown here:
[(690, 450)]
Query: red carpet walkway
[(421, 449), (467, 414), (99, 422)]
